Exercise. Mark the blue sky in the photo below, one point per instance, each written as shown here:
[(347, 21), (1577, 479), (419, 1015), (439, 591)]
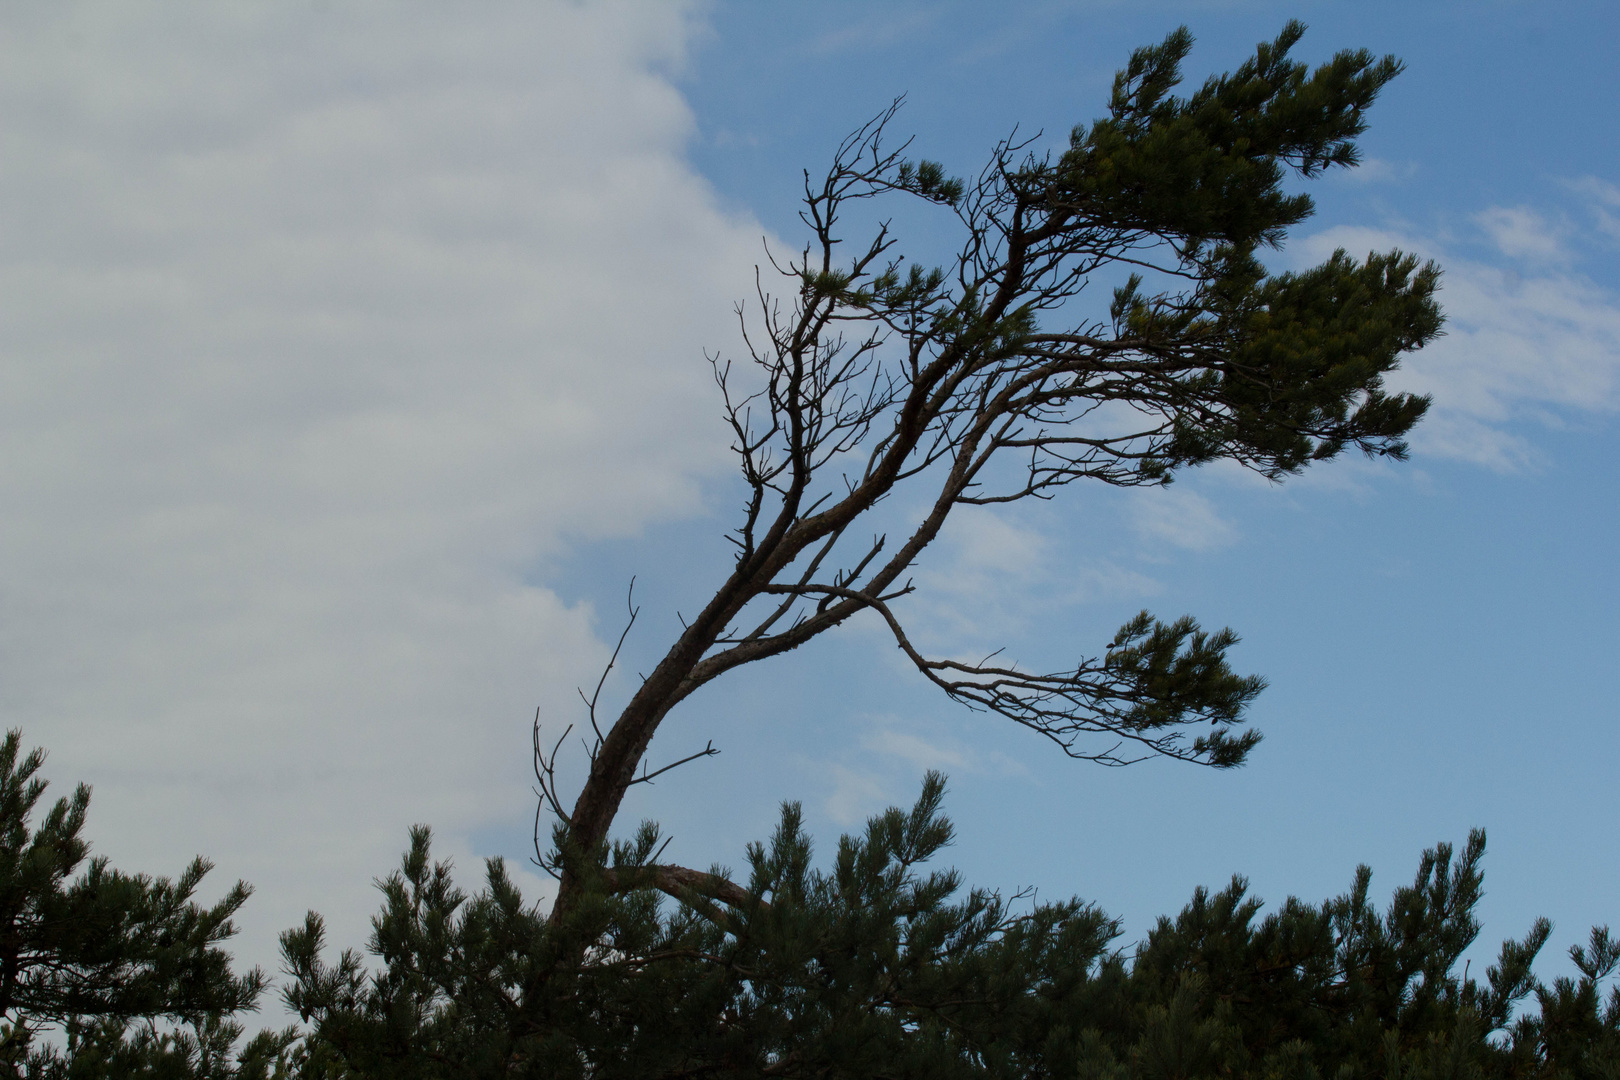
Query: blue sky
[(352, 361)]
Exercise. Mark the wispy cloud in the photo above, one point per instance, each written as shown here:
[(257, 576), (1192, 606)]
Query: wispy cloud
[(881, 28), (855, 794), (915, 750), (991, 574), (1602, 203), (893, 755), (1523, 347), (1377, 171), (1181, 517), (1521, 233)]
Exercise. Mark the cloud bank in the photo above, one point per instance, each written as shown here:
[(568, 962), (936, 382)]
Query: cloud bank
[(320, 328)]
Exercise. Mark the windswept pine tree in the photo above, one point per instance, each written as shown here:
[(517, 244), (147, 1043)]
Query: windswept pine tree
[(875, 381)]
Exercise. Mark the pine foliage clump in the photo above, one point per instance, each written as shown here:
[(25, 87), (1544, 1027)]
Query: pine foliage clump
[(128, 969)]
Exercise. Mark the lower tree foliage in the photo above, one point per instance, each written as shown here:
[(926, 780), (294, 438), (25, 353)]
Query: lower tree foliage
[(880, 967), (875, 966), (127, 968)]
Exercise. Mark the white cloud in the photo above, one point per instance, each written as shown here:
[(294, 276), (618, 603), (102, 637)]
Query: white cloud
[(935, 750), (1602, 201), (1181, 517), (322, 328), (874, 31), (1521, 233), (855, 796), (914, 749), (1518, 346), (987, 544), (892, 758), (1377, 171), (989, 575)]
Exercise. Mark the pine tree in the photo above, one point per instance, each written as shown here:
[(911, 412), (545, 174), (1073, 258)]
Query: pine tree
[(106, 957)]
